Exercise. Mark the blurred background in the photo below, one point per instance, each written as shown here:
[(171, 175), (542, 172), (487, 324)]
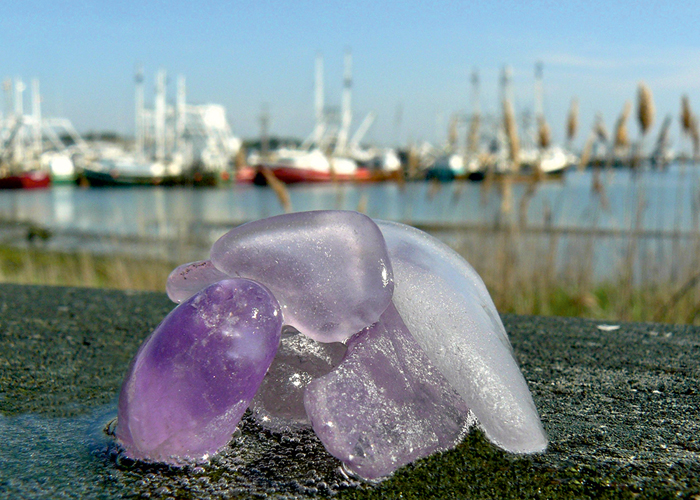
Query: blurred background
[(554, 145)]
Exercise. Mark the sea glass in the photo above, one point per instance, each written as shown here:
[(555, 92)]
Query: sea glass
[(385, 405), (194, 376), (186, 280), (449, 312), (329, 270), (279, 404)]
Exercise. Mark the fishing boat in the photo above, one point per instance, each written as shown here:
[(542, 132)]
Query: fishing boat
[(453, 166), (125, 172), (551, 160), (327, 154), (34, 179), (293, 166), (183, 144), (36, 151)]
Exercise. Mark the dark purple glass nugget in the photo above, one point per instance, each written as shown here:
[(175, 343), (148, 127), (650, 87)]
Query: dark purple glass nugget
[(195, 375)]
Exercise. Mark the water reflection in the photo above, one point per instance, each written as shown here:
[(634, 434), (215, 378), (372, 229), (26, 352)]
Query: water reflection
[(648, 202)]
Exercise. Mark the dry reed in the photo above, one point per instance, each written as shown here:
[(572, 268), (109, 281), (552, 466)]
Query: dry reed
[(31, 266), (413, 162), (585, 157), (645, 116), (622, 140), (362, 203), (689, 124), (544, 134), (645, 108), (527, 272), (452, 132), (687, 119), (511, 130), (572, 121), (600, 129), (473, 135), (279, 187)]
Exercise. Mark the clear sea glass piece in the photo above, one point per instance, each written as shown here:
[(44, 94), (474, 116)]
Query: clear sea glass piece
[(194, 376), (385, 405), (329, 270), (279, 404), (447, 308), (186, 280)]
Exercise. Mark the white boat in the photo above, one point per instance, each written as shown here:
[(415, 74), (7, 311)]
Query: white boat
[(309, 163), (551, 160), (297, 165)]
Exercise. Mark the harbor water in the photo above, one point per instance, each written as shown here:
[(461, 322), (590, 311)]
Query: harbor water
[(659, 209)]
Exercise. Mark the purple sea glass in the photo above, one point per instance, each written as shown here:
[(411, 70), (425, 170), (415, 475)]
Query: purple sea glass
[(195, 375), (186, 280), (329, 270), (386, 405), (447, 308), (279, 404)]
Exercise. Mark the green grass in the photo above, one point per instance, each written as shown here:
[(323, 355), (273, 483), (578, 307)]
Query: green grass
[(39, 267), (524, 290)]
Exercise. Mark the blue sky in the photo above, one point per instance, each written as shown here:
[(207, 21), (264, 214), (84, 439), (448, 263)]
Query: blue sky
[(413, 54)]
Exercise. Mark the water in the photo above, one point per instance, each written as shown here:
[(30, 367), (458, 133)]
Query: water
[(181, 223)]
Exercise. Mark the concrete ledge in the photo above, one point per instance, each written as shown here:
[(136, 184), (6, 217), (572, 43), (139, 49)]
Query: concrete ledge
[(621, 409)]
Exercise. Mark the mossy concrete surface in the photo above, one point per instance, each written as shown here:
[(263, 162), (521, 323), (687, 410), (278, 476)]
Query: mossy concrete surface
[(621, 407)]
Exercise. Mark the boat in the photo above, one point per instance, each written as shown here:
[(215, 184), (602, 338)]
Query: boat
[(125, 172), (453, 166), (36, 150), (183, 144), (293, 166), (326, 155), (60, 166), (33, 179), (551, 160)]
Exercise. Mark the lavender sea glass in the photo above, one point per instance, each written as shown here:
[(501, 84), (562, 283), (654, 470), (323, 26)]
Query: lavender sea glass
[(186, 280), (329, 270), (195, 375), (385, 405), (447, 308)]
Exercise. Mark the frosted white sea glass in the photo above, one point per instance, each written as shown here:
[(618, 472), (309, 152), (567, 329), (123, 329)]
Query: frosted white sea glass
[(447, 308), (329, 270)]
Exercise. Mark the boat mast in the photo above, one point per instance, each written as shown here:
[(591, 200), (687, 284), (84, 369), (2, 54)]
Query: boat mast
[(346, 112), (160, 115), (264, 134), (138, 129), (542, 132), (19, 117), (473, 137), (539, 108), (36, 112), (7, 87), (320, 118), (181, 107)]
